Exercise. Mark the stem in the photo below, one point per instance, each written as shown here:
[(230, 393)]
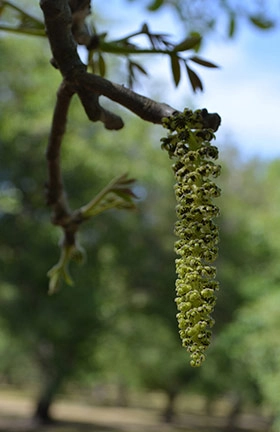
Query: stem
[(56, 196), (26, 31), (116, 49)]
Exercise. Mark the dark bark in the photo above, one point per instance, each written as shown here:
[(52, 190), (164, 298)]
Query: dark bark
[(58, 21), (42, 412)]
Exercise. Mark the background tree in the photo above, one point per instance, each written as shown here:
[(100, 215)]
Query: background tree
[(81, 319)]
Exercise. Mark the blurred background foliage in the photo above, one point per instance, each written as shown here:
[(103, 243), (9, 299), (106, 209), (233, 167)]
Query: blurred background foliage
[(117, 325)]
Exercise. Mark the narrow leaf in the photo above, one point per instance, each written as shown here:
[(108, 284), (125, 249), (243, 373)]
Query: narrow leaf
[(139, 68), (123, 180), (203, 62), (194, 79), (189, 43), (127, 193), (232, 25), (261, 22), (176, 69)]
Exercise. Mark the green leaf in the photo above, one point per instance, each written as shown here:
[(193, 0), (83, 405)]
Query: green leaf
[(261, 22), (139, 68), (104, 200), (194, 79), (176, 69), (125, 193), (155, 5), (191, 42), (232, 25), (203, 62)]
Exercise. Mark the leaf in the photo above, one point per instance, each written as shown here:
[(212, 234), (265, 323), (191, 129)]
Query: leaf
[(139, 68), (125, 193), (105, 200), (123, 180), (232, 26), (194, 79), (203, 62), (189, 43), (176, 69), (25, 18), (261, 22), (155, 5), (101, 65)]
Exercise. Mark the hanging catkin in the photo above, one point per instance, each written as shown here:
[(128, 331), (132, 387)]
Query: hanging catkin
[(189, 143)]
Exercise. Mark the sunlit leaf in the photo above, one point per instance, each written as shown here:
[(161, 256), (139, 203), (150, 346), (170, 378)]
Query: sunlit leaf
[(194, 79), (261, 22), (176, 69), (203, 62)]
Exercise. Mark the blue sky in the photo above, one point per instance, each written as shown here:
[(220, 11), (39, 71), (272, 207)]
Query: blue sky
[(245, 91)]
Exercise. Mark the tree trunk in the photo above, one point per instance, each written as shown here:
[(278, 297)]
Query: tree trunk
[(233, 415), (169, 412), (42, 411)]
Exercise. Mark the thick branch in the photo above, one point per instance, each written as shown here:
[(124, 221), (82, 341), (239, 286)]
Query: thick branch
[(58, 21), (142, 106)]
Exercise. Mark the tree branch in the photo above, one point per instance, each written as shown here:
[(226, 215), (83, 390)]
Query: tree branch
[(64, 23), (142, 106), (56, 196), (58, 23)]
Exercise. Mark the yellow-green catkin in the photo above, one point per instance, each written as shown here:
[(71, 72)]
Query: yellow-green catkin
[(189, 143)]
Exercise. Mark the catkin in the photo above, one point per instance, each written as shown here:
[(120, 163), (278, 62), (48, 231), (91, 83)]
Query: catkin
[(189, 143)]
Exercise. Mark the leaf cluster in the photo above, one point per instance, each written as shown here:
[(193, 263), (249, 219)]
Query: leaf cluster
[(14, 18), (157, 44)]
